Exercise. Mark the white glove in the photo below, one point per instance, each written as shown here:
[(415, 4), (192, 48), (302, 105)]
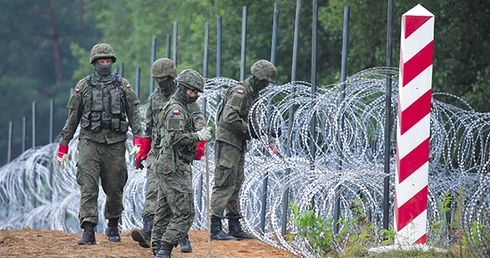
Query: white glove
[(62, 155), (205, 134), (62, 161), (134, 150)]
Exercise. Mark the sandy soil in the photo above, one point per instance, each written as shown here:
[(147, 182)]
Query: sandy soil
[(27, 243)]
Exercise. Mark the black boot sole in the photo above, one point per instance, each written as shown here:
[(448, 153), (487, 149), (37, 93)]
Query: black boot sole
[(185, 250), (114, 239), (248, 237), (223, 239), (137, 236), (86, 243), (241, 239)]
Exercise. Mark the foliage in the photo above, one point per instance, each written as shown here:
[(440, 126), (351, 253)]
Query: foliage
[(478, 93), (320, 233), (131, 38), (444, 208), (46, 43), (37, 64), (459, 66), (315, 230), (359, 235)]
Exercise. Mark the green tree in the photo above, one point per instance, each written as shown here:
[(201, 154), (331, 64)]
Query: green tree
[(131, 37), (37, 64), (46, 44), (460, 34)]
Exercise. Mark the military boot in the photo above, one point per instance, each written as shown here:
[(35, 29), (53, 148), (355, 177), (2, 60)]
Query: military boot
[(88, 237), (185, 245), (165, 251), (216, 231), (143, 236), (236, 229), (112, 231)]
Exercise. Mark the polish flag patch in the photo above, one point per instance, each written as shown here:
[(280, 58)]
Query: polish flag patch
[(239, 92), (176, 112), (128, 86), (77, 90)]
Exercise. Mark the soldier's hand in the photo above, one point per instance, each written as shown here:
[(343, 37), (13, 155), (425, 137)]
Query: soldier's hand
[(205, 134), (62, 155), (134, 150), (142, 146), (200, 150)]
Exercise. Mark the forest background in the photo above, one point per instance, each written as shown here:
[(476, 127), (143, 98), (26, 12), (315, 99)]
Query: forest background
[(45, 46)]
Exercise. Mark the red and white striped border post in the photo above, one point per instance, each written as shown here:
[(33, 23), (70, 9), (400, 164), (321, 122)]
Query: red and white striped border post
[(413, 128)]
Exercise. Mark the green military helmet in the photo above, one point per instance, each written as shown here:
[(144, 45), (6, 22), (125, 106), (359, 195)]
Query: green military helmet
[(264, 70), (191, 79), (163, 67), (102, 50)]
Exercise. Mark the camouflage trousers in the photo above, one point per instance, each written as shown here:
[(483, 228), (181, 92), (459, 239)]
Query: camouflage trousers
[(228, 179), (175, 204), (150, 203), (105, 163)]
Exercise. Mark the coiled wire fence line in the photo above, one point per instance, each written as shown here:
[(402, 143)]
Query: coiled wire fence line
[(338, 163)]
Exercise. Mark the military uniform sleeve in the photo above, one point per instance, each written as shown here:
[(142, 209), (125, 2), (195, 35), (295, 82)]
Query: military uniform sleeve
[(149, 120), (233, 110), (132, 109), (74, 106), (175, 128), (197, 116)]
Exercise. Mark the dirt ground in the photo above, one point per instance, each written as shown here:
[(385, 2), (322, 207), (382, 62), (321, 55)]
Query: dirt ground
[(27, 243)]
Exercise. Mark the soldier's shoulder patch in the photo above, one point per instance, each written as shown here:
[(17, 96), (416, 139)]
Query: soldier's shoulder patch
[(175, 111), (77, 90), (128, 86), (239, 91)]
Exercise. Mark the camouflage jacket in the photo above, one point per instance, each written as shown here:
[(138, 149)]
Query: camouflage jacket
[(233, 115), (177, 136), (155, 105), (104, 111)]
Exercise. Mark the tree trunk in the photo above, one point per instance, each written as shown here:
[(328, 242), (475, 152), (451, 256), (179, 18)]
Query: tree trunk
[(55, 38)]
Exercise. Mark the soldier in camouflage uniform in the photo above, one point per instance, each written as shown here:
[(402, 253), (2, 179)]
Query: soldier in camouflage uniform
[(178, 139), (104, 105), (232, 134), (163, 71)]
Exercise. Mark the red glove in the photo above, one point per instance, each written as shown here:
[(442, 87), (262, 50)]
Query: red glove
[(200, 150), (143, 146), (62, 152)]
